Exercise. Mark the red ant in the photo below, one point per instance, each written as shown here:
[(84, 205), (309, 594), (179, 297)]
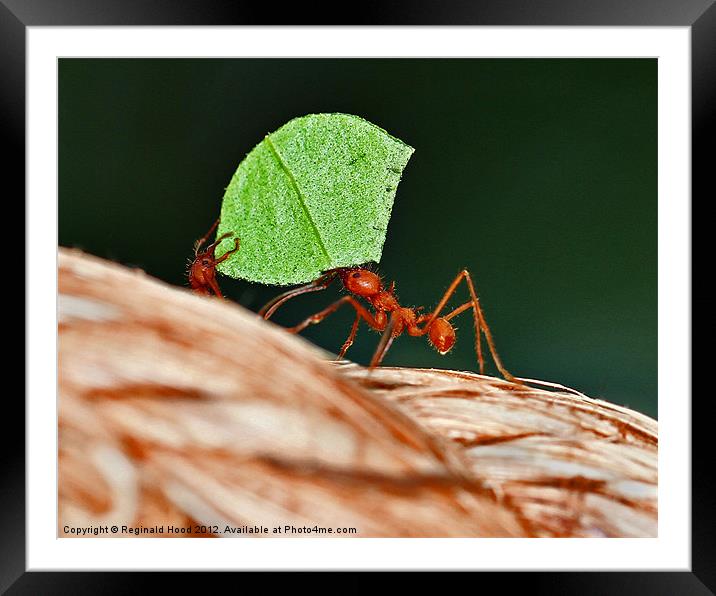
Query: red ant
[(202, 271), (363, 283)]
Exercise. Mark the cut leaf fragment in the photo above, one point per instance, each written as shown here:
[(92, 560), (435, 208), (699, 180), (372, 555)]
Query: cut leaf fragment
[(314, 195)]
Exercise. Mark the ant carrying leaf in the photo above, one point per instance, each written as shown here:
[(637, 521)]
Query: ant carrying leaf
[(389, 317), (311, 202)]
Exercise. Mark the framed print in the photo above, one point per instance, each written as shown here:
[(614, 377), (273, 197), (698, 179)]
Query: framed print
[(408, 293)]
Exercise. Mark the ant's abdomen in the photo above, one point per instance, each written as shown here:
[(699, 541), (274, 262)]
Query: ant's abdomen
[(442, 335)]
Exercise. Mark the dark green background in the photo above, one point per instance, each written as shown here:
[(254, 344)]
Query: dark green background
[(540, 176)]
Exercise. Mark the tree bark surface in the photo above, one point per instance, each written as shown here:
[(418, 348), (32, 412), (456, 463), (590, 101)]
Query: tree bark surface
[(177, 409)]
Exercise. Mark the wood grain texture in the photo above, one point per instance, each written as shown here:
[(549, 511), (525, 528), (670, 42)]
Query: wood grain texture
[(178, 409)]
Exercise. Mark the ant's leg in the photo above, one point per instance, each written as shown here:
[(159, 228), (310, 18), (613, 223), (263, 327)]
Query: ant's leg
[(268, 309), (478, 318), (459, 310), (227, 254), (351, 338), (215, 286), (479, 324), (318, 317), (201, 241), (212, 246), (385, 342)]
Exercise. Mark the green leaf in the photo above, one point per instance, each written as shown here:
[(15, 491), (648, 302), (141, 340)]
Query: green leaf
[(314, 195)]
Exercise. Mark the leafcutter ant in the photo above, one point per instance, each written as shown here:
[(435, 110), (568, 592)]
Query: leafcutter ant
[(389, 317), (202, 270)]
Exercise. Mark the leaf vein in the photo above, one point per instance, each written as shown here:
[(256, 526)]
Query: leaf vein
[(301, 199)]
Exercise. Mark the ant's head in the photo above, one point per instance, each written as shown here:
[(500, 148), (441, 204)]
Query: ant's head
[(202, 268), (442, 335), (361, 282), (206, 254)]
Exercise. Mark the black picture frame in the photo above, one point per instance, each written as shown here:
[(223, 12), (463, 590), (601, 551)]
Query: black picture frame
[(700, 15)]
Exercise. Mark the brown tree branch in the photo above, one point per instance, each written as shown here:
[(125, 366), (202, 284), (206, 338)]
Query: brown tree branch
[(180, 409)]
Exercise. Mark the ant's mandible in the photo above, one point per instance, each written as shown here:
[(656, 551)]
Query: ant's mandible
[(202, 270), (363, 283)]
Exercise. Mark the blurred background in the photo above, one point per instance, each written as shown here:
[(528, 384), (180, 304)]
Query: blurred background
[(540, 176)]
